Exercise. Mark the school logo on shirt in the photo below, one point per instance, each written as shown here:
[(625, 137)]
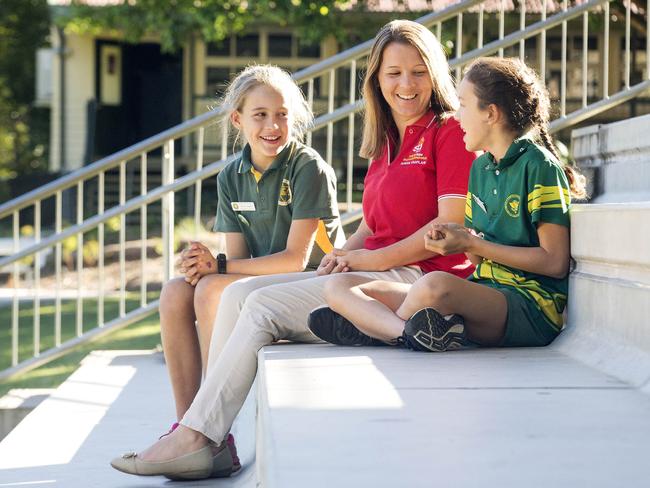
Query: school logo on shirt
[(512, 205), (285, 194), (416, 156), (418, 148)]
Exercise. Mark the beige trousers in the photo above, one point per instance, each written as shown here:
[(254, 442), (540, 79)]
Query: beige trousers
[(254, 312)]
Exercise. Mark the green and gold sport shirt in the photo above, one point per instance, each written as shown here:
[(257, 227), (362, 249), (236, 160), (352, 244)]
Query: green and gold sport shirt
[(505, 202), (261, 206)]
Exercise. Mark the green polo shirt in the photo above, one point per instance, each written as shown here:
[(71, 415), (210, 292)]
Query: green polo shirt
[(506, 201), (261, 206)]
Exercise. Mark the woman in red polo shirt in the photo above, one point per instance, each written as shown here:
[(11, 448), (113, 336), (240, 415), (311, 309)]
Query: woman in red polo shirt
[(418, 176)]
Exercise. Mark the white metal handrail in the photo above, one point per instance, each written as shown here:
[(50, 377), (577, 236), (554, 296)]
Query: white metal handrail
[(449, 23)]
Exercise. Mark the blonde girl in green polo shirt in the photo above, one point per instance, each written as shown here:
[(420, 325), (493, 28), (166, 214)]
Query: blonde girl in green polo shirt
[(277, 207), (516, 233)]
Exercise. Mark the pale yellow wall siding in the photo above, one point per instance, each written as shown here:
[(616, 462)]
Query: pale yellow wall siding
[(80, 81), (79, 88), (55, 107)]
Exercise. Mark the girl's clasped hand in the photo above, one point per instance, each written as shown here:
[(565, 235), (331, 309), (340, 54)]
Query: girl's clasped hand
[(446, 239), (195, 262)]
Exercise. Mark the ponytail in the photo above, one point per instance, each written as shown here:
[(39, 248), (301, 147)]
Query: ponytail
[(516, 89), (577, 181)]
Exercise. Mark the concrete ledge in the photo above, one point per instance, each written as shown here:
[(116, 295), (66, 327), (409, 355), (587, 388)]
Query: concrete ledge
[(17, 404), (609, 292), (616, 159), (383, 417)]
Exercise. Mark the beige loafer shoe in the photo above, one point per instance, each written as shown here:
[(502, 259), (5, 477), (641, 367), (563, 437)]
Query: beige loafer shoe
[(193, 466), (223, 463)]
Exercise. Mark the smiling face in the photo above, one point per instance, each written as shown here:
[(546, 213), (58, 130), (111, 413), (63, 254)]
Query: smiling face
[(265, 122), (473, 120), (405, 83)]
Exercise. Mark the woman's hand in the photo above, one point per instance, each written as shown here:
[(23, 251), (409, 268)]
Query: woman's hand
[(354, 260), (329, 265), (446, 239), (196, 261), (326, 264)]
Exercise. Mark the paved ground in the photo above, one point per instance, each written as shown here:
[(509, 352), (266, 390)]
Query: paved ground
[(117, 401)]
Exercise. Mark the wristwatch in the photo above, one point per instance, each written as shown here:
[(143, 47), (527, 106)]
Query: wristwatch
[(221, 263)]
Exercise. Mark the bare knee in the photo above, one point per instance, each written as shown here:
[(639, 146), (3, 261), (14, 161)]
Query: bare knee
[(176, 294), (208, 288), (433, 290), (337, 288)]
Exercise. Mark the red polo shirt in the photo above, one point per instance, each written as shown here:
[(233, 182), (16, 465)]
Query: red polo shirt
[(402, 195)]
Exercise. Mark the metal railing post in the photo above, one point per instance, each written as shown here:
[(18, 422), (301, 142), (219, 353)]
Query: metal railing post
[(330, 109), (168, 212), (144, 230), (122, 241), (57, 270), (350, 162), (80, 259), (15, 306), (101, 181), (542, 46), (37, 280), (606, 53)]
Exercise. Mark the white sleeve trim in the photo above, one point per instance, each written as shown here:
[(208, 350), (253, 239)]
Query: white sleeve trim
[(452, 195)]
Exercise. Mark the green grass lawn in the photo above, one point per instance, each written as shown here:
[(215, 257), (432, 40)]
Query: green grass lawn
[(144, 334)]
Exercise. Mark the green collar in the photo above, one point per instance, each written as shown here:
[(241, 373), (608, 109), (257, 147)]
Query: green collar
[(516, 149), (280, 160)]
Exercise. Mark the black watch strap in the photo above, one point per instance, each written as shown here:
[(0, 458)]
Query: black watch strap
[(221, 263)]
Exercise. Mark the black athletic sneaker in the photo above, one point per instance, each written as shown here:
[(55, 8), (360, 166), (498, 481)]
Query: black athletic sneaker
[(332, 327), (427, 330)]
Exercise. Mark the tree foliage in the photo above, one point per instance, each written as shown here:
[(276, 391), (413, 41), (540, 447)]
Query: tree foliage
[(175, 21), (24, 25)]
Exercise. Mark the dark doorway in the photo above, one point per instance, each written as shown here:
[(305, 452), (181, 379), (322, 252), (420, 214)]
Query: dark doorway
[(151, 99)]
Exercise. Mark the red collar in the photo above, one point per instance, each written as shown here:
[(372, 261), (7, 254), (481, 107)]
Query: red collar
[(425, 121)]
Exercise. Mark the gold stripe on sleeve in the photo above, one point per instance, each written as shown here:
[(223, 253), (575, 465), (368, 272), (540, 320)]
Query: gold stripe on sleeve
[(322, 239), (468, 206), (548, 197)]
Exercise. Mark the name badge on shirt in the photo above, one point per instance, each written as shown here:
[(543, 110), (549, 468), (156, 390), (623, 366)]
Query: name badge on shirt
[(243, 206)]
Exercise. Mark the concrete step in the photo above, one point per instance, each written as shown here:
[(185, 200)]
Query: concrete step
[(117, 401), (17, 404), (384, 417)]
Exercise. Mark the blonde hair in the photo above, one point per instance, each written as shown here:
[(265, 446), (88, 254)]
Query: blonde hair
[(264, 74), (378, 119)]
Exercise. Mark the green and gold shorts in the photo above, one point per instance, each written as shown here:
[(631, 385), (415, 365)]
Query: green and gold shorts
[(525, 324)]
